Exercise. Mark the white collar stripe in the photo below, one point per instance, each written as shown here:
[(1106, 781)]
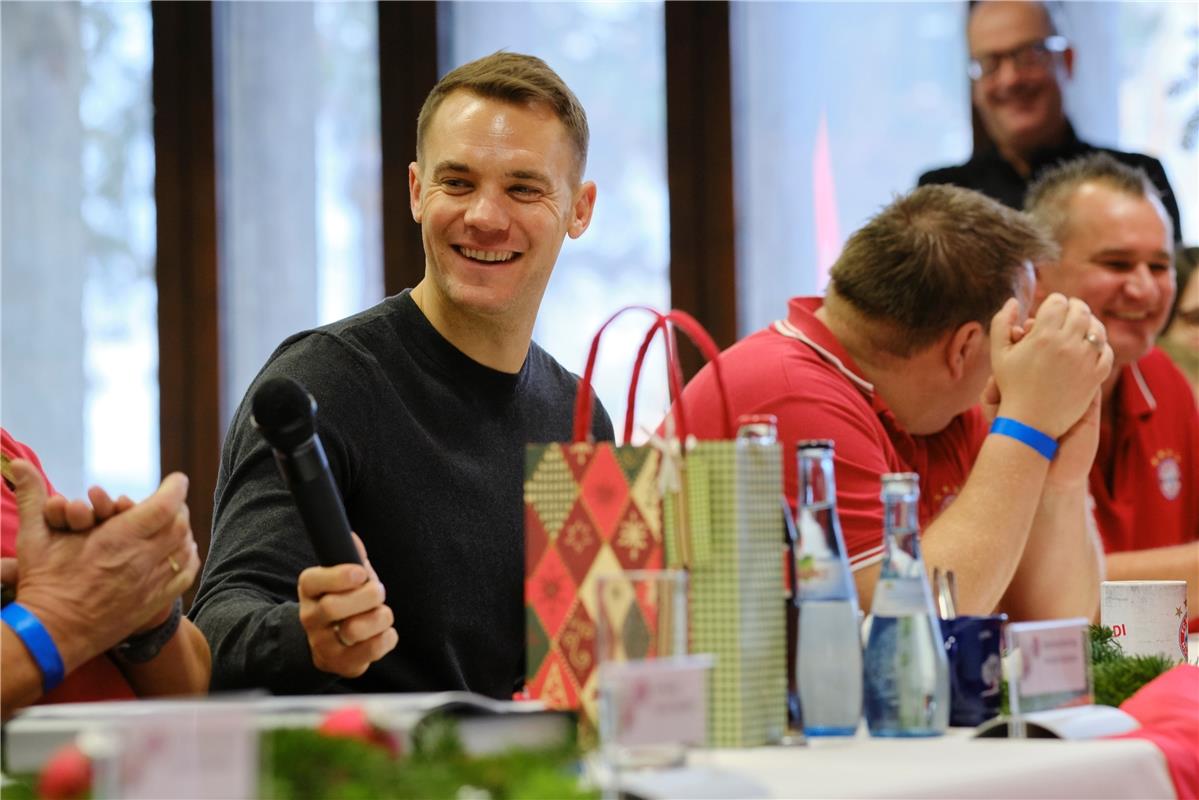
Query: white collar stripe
[(787, 329)]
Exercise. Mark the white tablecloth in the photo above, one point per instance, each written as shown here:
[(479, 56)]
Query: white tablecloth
[(950, 766)]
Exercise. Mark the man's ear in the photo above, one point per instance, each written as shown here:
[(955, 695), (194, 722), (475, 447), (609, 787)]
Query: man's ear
[(584, 207), (1041, 288), (962, 346), (414, 190)]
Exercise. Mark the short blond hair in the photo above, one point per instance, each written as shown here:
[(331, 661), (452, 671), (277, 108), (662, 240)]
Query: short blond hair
[(513, 78)]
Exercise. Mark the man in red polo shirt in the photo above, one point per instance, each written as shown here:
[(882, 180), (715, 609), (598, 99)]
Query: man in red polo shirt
[(925, 304), (1117, 248)]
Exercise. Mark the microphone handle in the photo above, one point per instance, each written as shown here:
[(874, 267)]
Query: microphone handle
[(306, 473)]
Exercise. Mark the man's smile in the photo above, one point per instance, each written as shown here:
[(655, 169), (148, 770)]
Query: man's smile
[(489, 256)]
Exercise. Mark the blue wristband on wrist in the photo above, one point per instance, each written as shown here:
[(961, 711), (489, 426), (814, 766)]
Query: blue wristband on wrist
[(1042, 443), (38, 641)]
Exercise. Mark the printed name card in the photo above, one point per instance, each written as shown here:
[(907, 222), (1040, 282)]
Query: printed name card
[(209, 752), (1050, 664), (655, 702)]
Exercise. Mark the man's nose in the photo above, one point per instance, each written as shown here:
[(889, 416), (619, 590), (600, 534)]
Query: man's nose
[(486, 212), (1141, 282), (1006, 73)]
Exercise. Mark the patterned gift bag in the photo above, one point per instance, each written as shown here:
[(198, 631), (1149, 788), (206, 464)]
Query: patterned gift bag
[(590, 508), (724, 525)]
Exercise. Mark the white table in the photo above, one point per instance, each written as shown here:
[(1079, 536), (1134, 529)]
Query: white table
[(954, 766)]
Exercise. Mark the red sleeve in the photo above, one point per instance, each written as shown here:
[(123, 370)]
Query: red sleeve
[(9, 518)]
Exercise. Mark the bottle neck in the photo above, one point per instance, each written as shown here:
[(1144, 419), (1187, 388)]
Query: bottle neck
[(817, 487), (901, 533)]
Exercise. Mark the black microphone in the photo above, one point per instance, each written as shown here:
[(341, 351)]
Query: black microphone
[(285, 414)]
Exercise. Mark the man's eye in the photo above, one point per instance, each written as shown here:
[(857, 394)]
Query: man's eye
[(1159, 266), (1116, 265), (524, 191), (454, 183)]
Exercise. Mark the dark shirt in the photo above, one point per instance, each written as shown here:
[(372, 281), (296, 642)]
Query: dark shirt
[(427, 449), (989, 173)]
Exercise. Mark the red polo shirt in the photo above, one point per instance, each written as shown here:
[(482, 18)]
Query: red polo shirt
[(98, 679), (798, 371), (1145, 479)]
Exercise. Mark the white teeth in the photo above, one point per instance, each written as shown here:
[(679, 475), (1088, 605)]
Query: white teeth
[(487, 255)]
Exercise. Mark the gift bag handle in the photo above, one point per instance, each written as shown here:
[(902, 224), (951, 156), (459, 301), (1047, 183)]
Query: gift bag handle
[(584, 402), (708, 349)]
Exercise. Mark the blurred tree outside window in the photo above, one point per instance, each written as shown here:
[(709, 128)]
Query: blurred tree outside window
[(80, 337), (298, 181)]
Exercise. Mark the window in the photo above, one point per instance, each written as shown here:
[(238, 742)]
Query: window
[(837, 107), (80, 338), (612, 56), (298, 179)]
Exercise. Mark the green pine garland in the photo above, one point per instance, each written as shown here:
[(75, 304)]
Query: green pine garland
[(306, 764), (1116, 676)]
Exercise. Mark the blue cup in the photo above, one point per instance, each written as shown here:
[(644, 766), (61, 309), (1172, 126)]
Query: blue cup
[(974, 646)]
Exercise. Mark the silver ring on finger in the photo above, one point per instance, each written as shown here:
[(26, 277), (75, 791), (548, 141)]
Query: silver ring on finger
[(341, 639), (1095, 340)]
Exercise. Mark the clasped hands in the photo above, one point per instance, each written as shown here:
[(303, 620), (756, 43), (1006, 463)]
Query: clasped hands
[(1048, 372), (96, 572)]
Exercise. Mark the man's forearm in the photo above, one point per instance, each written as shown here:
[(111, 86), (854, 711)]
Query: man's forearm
[(182, 667), (1062, 565), (22, 680), (983, 532), (257, 644), (1179, 562)]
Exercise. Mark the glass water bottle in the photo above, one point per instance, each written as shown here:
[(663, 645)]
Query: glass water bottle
[(906, 673), (830, 644)]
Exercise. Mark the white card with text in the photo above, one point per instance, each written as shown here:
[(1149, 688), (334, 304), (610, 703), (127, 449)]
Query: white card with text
[(1051, 664), (658, 701)]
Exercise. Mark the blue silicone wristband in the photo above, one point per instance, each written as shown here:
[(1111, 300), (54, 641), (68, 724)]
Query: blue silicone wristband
[(37, 639), (1042, 443)]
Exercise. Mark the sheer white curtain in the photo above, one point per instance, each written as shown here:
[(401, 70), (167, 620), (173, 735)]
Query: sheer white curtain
[(79, 351), (297, 124)]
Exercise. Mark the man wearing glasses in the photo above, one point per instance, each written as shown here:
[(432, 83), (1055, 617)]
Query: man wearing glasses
[(1018, 62)]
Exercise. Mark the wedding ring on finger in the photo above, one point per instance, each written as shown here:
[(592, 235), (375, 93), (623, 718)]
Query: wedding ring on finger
[(175, 568), (341, 639), (1095, 340)]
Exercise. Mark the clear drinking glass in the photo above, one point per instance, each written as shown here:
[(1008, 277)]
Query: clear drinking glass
[(641, 617)]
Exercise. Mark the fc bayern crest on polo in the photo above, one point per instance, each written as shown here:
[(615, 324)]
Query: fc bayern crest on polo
[(1169, 473)]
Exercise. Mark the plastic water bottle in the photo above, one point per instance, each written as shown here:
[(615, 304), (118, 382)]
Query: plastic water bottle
[(907, 675), (830, 644)]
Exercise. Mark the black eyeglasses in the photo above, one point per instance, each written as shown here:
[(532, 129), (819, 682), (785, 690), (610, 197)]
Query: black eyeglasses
[(1027, 56)]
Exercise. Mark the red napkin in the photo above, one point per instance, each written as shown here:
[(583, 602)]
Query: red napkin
[(1168, 709)]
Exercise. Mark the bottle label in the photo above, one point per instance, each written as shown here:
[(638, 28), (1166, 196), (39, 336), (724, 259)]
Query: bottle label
[(821, 579), (899, 597)]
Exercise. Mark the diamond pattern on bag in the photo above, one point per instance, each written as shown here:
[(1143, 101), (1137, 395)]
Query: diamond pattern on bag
[(604, 490), (578, 542), (551, 591), (634, 541), (578, 457), (553, 686), (605, 564), (577, 644), (552, 489), (537, 644), (643, 487), (536, 539)]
